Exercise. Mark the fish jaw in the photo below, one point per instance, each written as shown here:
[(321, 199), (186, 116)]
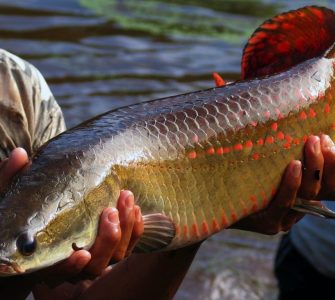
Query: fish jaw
[(9, 268)]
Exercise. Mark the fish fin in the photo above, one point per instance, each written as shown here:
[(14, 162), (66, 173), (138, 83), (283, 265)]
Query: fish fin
[(314, 208), (288, 39), (219, 81), (158, 233)]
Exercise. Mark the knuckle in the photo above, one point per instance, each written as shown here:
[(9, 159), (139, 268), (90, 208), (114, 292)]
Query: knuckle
[(128, 223), (112, 237), (137, 234), (119, 255), (293, 185), (115, 237)]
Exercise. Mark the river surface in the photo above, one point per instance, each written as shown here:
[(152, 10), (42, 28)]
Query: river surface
[(102, 54)]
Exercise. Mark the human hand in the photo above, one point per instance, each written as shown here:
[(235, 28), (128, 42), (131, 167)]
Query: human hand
[(315, 180), (13, 287), (17, 160), (119, 230), (110, 244)]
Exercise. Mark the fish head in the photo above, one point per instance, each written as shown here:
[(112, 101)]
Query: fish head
[(14, 254), (22, 225), (18, 240), (39, 224)]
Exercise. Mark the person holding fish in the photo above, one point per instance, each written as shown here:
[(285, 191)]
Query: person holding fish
[(29, 119), (119, 228), (30, 116)]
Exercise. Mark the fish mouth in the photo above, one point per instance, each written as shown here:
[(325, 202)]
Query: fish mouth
[(8, 268)]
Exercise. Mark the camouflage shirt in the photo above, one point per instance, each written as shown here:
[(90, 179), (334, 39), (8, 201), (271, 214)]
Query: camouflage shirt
[(29, 114)]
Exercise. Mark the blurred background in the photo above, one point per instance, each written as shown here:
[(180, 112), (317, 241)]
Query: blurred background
[(97, 55)]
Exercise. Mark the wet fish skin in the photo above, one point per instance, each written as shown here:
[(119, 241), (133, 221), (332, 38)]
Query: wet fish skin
[(196, 163), (204, 159)]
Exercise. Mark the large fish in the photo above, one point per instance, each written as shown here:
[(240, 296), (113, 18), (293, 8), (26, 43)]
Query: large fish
[(196, 162)]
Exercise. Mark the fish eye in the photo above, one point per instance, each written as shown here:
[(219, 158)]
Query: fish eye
[(26, 243)]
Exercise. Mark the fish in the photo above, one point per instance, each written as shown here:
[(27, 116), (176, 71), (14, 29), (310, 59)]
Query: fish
[(196, 163)]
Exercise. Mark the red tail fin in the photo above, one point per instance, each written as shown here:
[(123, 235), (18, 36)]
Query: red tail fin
[(287, 40)]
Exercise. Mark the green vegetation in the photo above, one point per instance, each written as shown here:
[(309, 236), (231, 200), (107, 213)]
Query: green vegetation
[(187, 18)]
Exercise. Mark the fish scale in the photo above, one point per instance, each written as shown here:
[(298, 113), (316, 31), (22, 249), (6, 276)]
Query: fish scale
[(196, 162), (236, 168)]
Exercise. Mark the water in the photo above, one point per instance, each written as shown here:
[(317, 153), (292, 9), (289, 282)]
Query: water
[(102, 54)]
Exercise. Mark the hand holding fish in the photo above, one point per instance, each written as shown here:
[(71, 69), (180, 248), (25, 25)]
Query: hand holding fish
[(175, 263), (110, 244), (197, 162), (119, 230), (313, 180), (8, 167)]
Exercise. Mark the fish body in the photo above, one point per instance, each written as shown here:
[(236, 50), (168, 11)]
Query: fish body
[(196, 163)]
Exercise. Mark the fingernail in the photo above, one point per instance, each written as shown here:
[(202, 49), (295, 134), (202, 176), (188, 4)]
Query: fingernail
[(130, 201), (316, 146), (296, 171), (81, 261), (332, 150), (138, 215), (113, 217), (327, 142)]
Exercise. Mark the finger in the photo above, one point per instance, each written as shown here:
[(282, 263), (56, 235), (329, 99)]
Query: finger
[(80, 288), (17, 160), (328, 179), (109, 235), (74, 264), (64, 270), (127, 218), (43, 291), (137, 230), (313, 169), (290, 219), (10, 166), (287, 191), (285, 197)]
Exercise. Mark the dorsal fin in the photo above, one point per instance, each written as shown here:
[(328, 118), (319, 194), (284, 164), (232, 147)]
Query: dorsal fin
[(219, 81), (288, 39)]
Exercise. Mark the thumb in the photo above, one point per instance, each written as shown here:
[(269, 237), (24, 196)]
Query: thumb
[(9, 167)]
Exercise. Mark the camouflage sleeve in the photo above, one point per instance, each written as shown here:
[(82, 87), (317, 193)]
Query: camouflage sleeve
[(29, 114)]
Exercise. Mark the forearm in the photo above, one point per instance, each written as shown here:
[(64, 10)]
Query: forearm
[(144, 276)]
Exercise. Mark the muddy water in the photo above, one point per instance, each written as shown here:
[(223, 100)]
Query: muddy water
[(102, 54)]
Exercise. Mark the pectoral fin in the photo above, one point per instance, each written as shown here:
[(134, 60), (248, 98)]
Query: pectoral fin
[(314, 208), (158, 233)]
